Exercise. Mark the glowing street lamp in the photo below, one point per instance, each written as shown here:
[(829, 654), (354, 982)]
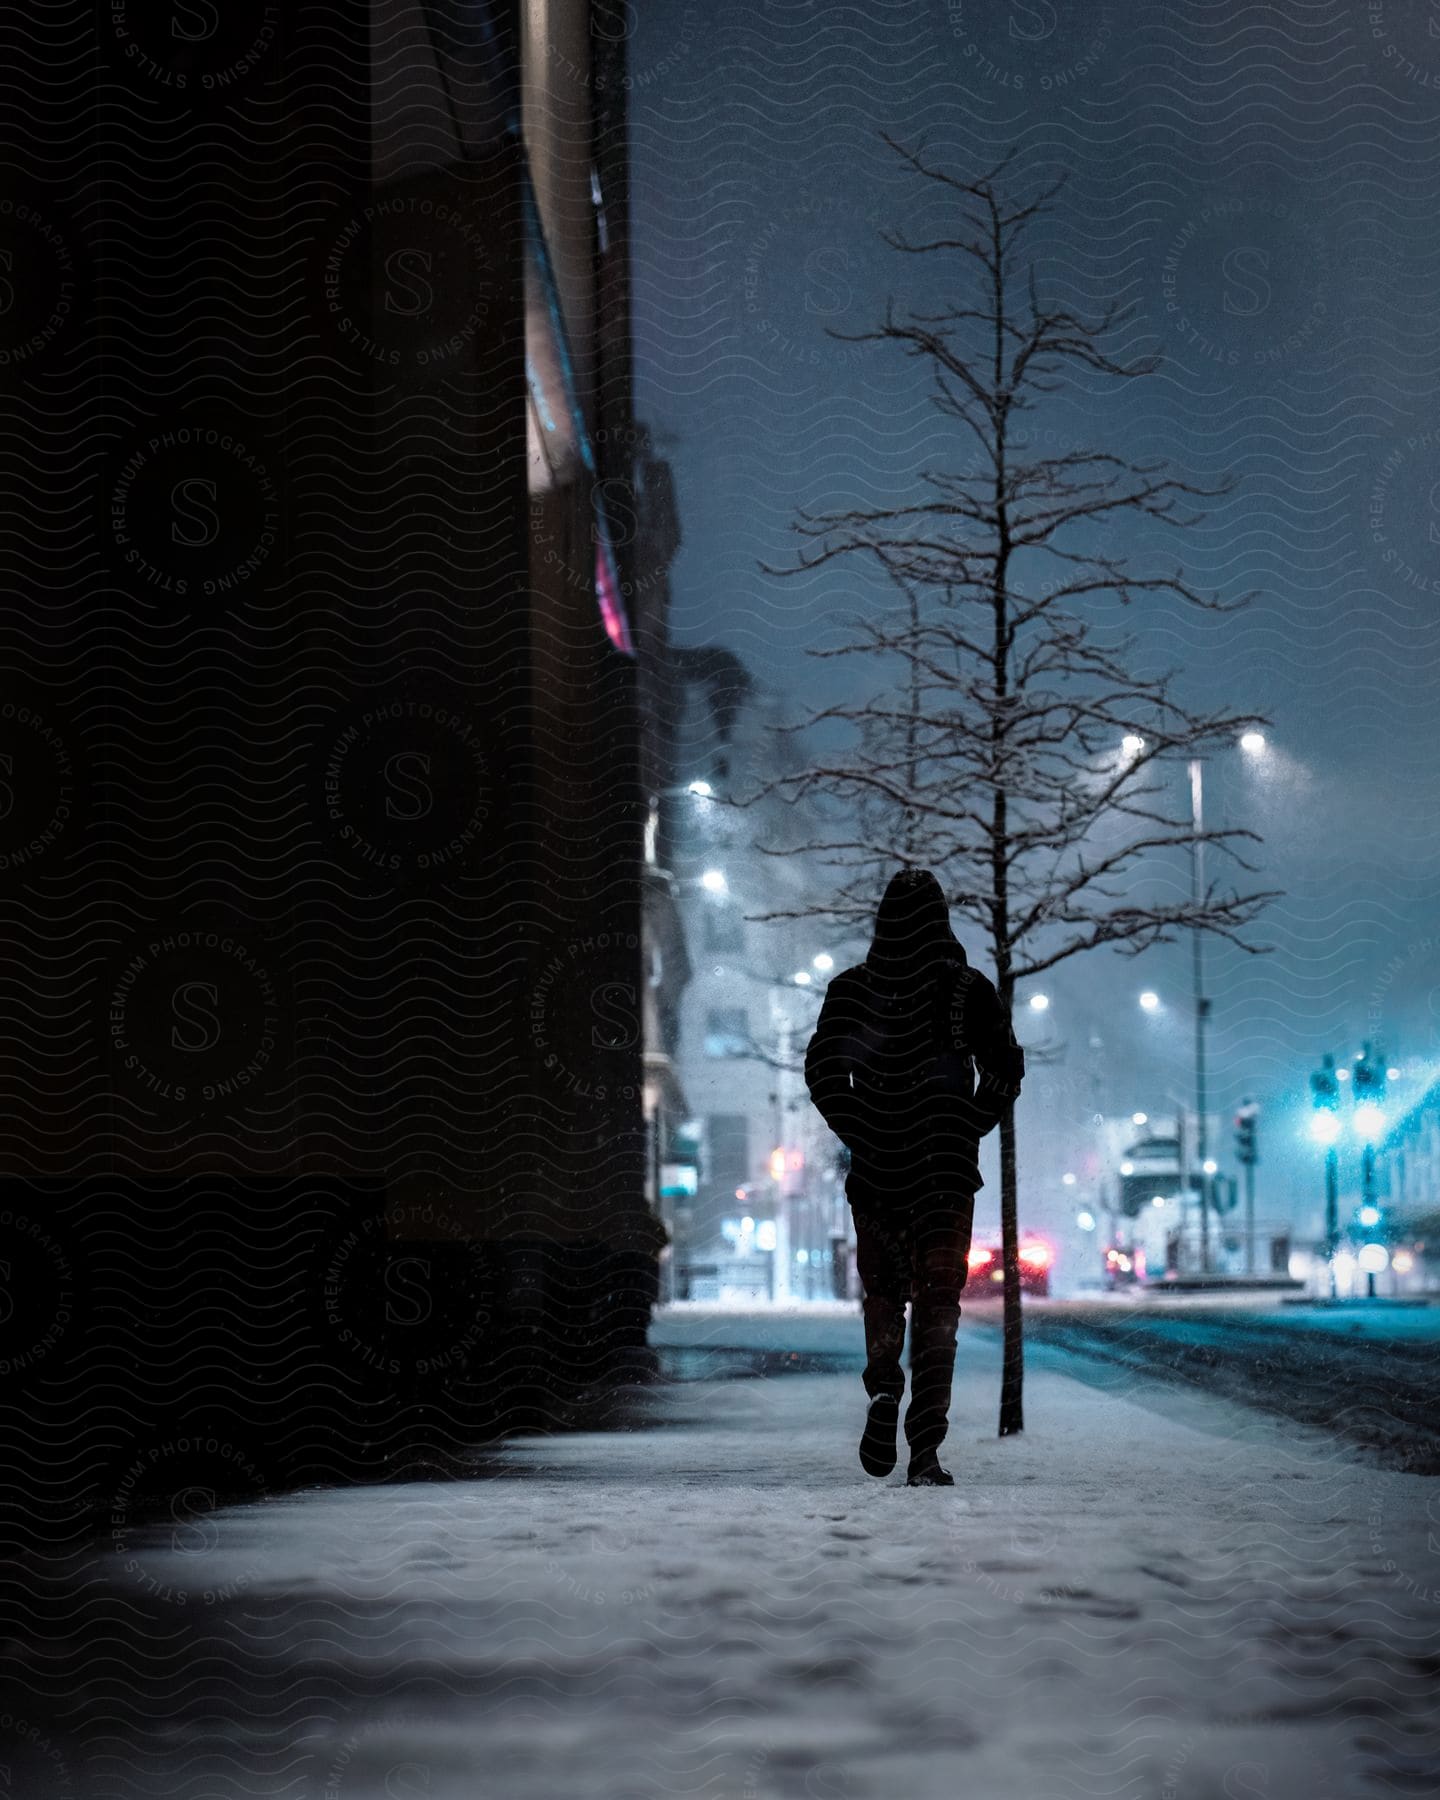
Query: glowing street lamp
[(1324, 1128), (1139, 1118), (701, 789), (824, 962), (1039, 1003), (1252, 742), (1369, 1121), (1149, 1001), (1132, 744), (713, 881)]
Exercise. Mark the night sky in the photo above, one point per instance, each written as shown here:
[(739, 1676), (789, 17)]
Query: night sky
[(1259, 185)]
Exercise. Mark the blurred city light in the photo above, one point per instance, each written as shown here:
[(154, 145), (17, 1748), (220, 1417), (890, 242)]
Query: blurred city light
[(1252, 741), (1039, 1002), (702, 788), (1086, 1221), (1373, 1258), (1068, 1178), (1324, 1127), (1344, 1265), (1157, 1199), (765, 1235), (713, 881), (1127, 1168), (1369, 1121), (1150, 1000), (1209, 1165), (1369, 1215), (1402, 1262), (1132, 744), (1392, 1074), (824, 961), (1139, 1118), (1342, 1074), (802, 978)]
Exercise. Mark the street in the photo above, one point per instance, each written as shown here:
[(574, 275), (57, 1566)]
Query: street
[(1151, 1592)]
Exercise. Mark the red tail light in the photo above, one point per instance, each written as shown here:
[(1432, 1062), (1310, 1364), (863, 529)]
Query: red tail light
[(978, 1258), (1036, 1256)]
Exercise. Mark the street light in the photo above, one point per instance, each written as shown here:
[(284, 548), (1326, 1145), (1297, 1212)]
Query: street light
[(1325, 1129), (1149, 1001), (1039, 1002), (1369, 1121), (1132, 744), (1253, 742), (701, 789), (1139, 1118), (801, 978), (713, 881), (823, 962)]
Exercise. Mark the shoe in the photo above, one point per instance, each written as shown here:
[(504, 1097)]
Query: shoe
[(877, 1446), (925, 1471)]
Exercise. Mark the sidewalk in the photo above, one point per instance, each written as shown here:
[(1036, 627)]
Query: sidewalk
[(722, 1604)]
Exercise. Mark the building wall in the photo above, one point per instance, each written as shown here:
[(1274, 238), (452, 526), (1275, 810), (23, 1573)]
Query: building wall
[(324, 1076)]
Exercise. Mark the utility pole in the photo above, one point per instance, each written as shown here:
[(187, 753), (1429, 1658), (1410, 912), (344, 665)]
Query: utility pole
[(780, 1284), (1202, 1005), (1248, 1153), (1325, 1127)]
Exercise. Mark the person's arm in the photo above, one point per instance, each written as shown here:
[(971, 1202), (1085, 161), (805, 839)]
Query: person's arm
[(828, 1061), (999, 1060)]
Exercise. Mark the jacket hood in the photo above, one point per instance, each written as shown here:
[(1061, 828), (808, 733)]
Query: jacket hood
[(912, 927)]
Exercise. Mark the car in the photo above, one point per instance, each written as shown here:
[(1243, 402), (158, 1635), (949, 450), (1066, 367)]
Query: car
[(1123, 1268), (1036, 1257)]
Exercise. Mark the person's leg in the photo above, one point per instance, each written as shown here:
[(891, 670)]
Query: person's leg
[(941, 1253), (882, 1256)]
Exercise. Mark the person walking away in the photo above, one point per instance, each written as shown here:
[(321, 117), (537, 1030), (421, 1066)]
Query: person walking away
[(912, 1062)]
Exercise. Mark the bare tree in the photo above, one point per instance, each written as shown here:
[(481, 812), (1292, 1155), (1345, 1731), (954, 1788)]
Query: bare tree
[(1009, 741)]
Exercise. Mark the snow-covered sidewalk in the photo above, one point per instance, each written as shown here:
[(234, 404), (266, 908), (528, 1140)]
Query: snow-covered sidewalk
[(721, 1604)]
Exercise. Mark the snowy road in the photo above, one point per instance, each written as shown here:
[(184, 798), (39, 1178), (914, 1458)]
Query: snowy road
[(1368, 1373), (1120, 1603)]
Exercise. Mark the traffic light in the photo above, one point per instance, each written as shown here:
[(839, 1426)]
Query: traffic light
[(1247, 1150), (1369, 1076), (1325, 1085)]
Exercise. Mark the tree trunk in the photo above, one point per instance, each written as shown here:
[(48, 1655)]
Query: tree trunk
[(1012, 1373)]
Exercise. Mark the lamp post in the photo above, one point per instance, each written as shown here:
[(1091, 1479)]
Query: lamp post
[(1325, 1128), (1202, 1005)]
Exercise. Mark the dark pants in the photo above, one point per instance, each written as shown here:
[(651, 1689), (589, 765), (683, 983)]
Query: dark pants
[(913, 1250)]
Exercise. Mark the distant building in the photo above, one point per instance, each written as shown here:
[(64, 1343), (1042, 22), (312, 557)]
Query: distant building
[(765, 1204)]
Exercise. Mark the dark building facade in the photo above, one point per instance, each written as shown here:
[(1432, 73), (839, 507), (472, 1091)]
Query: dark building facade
[(323, 851)]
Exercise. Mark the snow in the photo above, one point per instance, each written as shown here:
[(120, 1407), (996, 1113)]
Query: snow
[(719, 1603)]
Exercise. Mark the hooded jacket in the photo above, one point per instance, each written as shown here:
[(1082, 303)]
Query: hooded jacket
[(914, 1059)]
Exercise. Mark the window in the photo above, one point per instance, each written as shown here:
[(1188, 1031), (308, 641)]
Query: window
[(727, 1031), (729, 1139), (724, 928)]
